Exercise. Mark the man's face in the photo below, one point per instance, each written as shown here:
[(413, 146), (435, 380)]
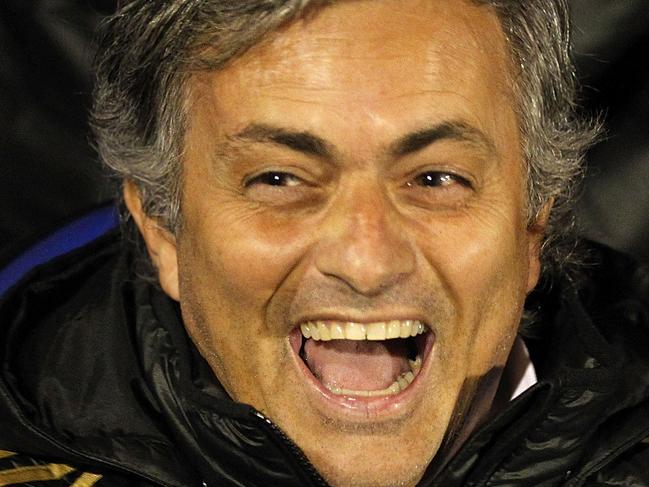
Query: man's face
[(360, 169)]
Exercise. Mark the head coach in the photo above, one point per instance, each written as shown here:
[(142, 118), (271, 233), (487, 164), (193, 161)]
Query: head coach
[(341, 212)]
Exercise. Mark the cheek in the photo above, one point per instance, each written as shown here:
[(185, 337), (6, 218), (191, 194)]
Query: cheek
[(229, 272), (476, 258), (237, 265), (485, 273)]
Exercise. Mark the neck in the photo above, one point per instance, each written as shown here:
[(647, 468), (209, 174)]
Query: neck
[(483, 398)]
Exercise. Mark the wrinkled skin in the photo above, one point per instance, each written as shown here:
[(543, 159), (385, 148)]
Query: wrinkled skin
[(355, 227)]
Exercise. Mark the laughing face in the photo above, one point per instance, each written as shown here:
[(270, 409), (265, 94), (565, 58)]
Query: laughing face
[(355, 253)]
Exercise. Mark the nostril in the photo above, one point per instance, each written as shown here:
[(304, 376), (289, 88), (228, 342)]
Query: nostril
[(367, 267), (367, 282)]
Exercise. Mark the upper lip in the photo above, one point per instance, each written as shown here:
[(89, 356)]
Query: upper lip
[(358, 317)]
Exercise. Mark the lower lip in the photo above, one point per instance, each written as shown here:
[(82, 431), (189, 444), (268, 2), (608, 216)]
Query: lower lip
[(360, 407)]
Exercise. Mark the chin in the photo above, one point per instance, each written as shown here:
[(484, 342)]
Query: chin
[(398, 466), (377, 455)]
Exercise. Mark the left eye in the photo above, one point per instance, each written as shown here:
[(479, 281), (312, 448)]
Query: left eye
[(435, 179), (274, 178)]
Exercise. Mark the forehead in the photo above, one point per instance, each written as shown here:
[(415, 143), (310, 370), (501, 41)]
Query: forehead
[(386, 62), (381, 34)]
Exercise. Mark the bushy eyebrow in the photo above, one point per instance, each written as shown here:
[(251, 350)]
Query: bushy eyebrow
[(313, 145), (304, 142), (451, 130)]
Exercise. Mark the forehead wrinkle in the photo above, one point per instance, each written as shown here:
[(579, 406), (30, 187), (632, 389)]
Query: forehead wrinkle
[(284, 86)]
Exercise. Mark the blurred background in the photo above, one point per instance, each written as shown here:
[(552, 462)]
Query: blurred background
[(50, 174)]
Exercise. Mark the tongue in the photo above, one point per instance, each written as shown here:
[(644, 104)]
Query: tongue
[(357, 365)]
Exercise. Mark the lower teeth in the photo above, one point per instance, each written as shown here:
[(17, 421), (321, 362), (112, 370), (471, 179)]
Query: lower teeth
[(403, 381)]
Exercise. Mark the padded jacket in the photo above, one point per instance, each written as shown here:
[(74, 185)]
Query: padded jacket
[(100, 386)]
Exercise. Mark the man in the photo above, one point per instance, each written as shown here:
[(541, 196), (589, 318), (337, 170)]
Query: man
[(345, 205)]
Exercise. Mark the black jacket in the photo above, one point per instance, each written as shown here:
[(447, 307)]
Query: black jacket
[(101, 386)]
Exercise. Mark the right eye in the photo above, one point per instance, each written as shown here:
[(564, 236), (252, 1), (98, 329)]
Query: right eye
[(277, 188)]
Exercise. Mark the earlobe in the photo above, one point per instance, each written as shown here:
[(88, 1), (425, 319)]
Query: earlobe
[(536, 235), (160, 243)]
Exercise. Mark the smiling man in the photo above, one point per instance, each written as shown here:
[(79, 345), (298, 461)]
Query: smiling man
[(345, 206)]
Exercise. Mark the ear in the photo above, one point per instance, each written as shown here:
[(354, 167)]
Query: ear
[(535, 233), (160, 243)]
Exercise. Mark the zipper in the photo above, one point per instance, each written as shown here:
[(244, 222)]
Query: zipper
[(297, 453)]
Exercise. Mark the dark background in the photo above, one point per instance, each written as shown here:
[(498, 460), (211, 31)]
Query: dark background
[(49, 172)]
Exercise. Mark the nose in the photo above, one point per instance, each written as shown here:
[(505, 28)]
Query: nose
[(364, 243)]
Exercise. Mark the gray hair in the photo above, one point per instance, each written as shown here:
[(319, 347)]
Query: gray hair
[(149, 48)]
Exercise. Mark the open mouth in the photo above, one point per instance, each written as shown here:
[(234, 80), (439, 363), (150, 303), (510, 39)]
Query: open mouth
[(364, 360)]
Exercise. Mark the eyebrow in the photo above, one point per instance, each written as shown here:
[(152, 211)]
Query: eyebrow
[(453, 130), (310, 144), (304, 142)]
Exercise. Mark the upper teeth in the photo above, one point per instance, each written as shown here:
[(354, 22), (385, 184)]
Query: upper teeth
[(380, 330)]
